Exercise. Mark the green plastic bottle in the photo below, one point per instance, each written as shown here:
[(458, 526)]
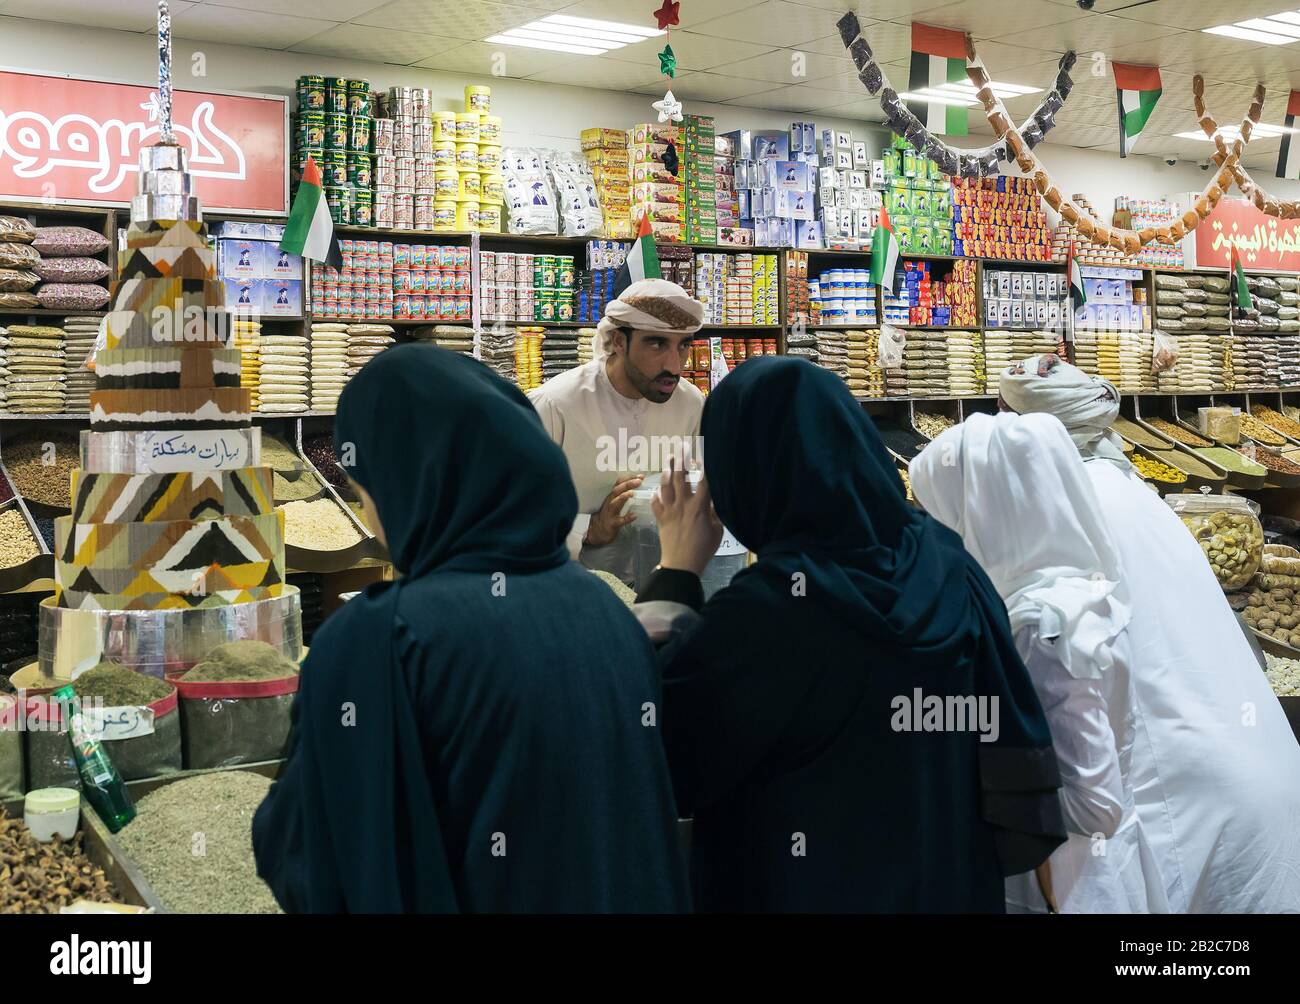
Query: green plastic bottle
[(100, 782)]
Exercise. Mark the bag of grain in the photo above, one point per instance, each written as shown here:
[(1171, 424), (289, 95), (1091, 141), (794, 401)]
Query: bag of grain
[(11, 749), (132, 714), (235, 705)]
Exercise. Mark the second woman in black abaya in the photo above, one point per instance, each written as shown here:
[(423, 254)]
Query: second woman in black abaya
[(472, 737), (798, 713)]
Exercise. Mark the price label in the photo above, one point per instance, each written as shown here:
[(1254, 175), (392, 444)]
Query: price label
[(118, 723)]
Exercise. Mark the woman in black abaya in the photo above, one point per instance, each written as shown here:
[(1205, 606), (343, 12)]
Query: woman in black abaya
[(475, 736), (790, 709)]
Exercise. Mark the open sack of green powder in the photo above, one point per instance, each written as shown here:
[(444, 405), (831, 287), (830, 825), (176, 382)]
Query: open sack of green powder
[(11, 749), (235, 705), (133, 715)]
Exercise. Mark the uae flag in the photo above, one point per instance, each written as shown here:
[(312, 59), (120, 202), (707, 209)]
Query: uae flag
[(938, 58), (884, 254), (1241, 298), (1138, 90), (1078, 298), (1288, 158), (310, 230), (642, 259)]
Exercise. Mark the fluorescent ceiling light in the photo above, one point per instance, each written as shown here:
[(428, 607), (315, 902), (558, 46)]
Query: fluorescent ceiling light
[(1269, 24), (580, 35), (1265, 130), (1289, 16), (1249, 34), (529, 43), (955, 100), (1000, 89)]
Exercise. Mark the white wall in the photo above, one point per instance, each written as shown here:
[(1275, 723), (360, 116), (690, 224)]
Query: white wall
[(534, 113)]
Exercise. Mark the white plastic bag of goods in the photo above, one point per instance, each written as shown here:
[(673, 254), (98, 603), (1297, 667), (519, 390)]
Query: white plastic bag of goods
[(529, 199), (890, 349), (575, 190), (1164, 352)]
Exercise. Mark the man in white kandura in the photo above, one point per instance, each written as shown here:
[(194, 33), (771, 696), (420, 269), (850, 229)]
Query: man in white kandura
[(616, 416)]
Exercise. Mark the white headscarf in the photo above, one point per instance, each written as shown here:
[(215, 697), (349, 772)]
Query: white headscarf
[(648, 305), (1086, 405), (1016, 490)]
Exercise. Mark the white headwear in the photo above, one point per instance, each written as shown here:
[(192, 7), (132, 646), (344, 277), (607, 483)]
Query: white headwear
[(1016, 490), (648, 305)]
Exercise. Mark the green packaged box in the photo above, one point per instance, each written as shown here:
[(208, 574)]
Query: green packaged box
[(921, 205)]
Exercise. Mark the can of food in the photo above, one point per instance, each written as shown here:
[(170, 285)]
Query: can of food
[(544, 305), (385, 172), (460, 260), (401, 280), (466, 156), (420, 306), (384, 210), (422, 212), (444, 156), (444, 127), (468, 185), (359, 133), (402, 305), (334, 169), (466, 127), (362, 88), (405, 173), (564, 306), (370, 294), (360, 170), (461, 307), (374, 310), (419, 281), (312, 130), (447, 280), (329, 305), (444, 215), (549, 271), (489, 129), (382, 133), (467, 214), (446, 256), (462, 282), (403, 209), (425, 174), (446, 184), (401, 256), (492, 188), (336, 98), (419, 257), (339, 200), (311, 93), (489, 219), (363, 208), (478, 99), (336, 131), (386, 255), (503, 270), (564, 271), (372, 255), (489, 158), (422, 137), (525, 269), (403, 138)]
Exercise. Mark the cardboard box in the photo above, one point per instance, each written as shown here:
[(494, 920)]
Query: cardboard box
[(658, 192), (771, 146), (282, 297), (240, 257), (243, 295), (599, 137), (650, 132)]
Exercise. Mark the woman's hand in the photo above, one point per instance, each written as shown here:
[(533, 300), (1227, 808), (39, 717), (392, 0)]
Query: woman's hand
[(689, 529)]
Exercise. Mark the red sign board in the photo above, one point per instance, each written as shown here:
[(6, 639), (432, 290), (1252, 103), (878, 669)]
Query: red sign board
[(1264, 242), (78, 141)]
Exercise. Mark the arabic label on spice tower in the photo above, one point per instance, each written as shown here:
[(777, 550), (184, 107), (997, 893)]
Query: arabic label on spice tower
[(80, 141), (1265, 242)]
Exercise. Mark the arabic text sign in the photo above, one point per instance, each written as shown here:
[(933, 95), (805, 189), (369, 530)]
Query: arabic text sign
[(1263, 242), (119, 723), (202, 449), (79, 141)]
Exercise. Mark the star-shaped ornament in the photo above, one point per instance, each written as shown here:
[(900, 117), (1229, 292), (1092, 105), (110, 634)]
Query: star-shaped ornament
[(668, 61), (667, 14), (669, 108)]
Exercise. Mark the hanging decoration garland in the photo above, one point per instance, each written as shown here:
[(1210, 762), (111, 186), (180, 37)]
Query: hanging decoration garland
[(1267, 204), (668, 62), (669, 108), (980, 163)]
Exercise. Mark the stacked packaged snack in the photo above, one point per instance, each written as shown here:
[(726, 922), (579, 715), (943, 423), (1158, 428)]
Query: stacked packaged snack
[(382, 280), (1023, 299), (701, 181), (607, 153), (525, 287), (925, 301), (1142, 214), (528, 357), (1086, 252), (594, 284), (657, 190), (866, 378), (920, 203), (850, 206), (999, 217), (738, 288), (798, 298), (726, 201)]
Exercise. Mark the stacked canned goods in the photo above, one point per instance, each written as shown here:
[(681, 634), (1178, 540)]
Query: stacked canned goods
[(525, 287), (405, 168), (381, 280), (333, 127)]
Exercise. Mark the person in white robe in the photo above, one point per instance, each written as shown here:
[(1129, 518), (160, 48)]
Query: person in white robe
[(1215, 766), (1015, 490), (620, 416)]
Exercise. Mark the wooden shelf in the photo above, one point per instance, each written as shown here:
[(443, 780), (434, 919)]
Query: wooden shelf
[(44, 312), (403, 321), (432, 236)]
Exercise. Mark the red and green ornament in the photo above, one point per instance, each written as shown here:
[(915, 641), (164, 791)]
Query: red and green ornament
[(668, 62)]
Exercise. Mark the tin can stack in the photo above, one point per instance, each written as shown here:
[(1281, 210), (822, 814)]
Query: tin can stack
[(407, 168), (526, 287), (738, 288), (334, 125), (382, 280), (595, 283), (467, 185)]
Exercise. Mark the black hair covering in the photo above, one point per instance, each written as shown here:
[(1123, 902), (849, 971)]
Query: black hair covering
[(494, 690)]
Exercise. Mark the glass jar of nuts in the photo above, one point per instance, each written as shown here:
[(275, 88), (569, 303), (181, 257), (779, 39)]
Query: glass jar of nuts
[(1228, 529)]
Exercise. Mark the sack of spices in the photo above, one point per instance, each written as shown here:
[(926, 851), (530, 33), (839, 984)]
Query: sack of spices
[(235, 705), (11, 749), (133, 715)]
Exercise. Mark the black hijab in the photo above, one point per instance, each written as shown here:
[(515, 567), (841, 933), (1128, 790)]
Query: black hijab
[(799, 474), (465, 479)]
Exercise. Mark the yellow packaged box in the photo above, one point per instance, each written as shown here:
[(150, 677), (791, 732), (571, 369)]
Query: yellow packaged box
[(608, 157), (658, 192), (651, 132), (598, 137)]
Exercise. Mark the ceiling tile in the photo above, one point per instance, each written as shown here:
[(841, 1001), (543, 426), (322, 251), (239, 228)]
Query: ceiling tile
[(1193, 15), (473, 20), (692, 13), (598, 71), (788, 66), (693, 51), (999, 57), (893, 10), (866, 108), (126, 15), (487, 60), (794, 98), (978, 16), (1085, 35), (773, 22), (328, 10), (710, 87), (891, 43), (246, 27), (384, 45)]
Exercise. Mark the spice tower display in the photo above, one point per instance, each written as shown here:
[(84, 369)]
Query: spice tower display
[(174, 545)]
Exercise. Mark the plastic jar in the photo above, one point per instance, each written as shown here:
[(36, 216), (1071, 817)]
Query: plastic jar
[(444, 127), (1228, 529), (51, 811)]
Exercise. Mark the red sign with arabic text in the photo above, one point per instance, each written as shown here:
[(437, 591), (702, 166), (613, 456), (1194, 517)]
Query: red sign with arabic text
[(79, 141), (1265, 243)]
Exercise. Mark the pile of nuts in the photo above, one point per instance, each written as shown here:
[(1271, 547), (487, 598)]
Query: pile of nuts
[(931, 426), (1157, 471), (1270, 460), (1178, 433), (1274, 613), (1233, 543), (41, 878), (1275, 419), (1260, 432)]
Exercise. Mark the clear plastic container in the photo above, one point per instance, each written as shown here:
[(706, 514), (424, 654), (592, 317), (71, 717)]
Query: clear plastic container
[(1229, 531), (729, 559), (52, 811)]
